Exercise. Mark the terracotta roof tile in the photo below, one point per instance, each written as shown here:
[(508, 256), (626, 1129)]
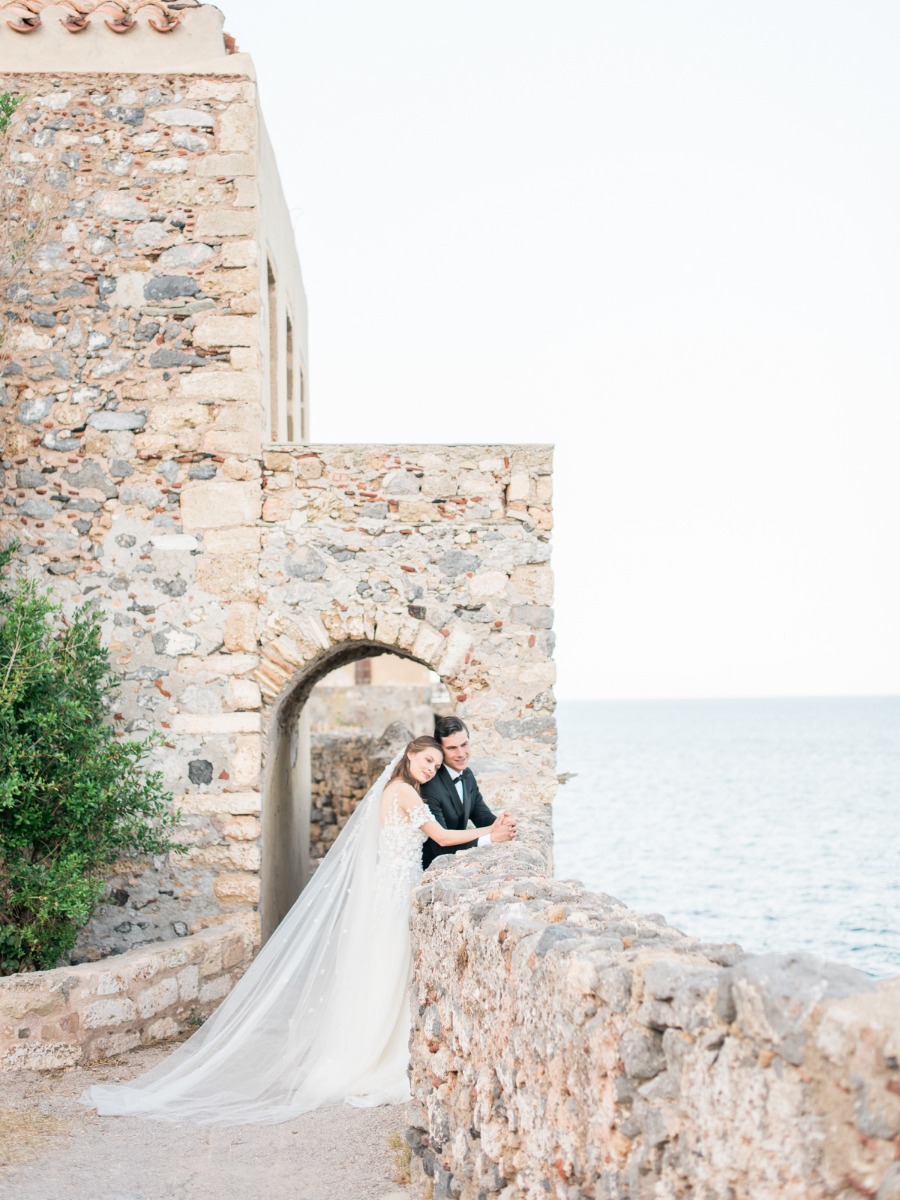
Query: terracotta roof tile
[(24, 16)]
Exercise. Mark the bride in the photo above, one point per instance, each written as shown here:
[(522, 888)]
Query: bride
[(322, 1015)]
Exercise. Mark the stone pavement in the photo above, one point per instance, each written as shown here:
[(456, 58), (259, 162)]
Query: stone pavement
[(51, 1148)]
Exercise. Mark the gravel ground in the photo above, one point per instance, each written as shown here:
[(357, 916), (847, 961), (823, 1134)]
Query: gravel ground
[(52, 1148)]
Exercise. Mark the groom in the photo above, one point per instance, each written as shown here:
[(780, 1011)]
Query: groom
[(454, 797)]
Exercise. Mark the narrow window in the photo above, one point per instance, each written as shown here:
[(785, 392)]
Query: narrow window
[(289, 375), (363, 672), (273, 357), (304, 421)]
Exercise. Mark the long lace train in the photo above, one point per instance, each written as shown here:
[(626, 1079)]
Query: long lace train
[(323, 1012)]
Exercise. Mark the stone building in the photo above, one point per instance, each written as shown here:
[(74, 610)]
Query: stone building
[(153, 396), (155, 415)]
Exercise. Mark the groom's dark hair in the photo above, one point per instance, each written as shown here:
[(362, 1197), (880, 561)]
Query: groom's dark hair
[(447, 726)]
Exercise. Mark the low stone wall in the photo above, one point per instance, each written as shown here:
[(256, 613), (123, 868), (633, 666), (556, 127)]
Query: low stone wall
[(565, 1046), (52, 1019)]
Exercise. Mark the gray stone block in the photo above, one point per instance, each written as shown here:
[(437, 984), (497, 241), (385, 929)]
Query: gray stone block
[(192, 255), (56, 439), (877, 1111), (126, 114), (49, 366), (35, 409), (170, 287), (26, 478), (774, 994), (109, 422), (457, 562), (175, 358), (402, 483), (306, 565), (642, 1054), (189, 141), (175, 642), (90, 475), (40, 510), (536, 616), (200, 771), (87, 394)]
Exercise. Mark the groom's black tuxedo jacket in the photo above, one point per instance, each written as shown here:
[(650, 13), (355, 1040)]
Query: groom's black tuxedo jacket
[(442, 797)]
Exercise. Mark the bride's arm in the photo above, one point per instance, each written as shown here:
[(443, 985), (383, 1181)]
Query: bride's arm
[(452, 837), (413, 804)]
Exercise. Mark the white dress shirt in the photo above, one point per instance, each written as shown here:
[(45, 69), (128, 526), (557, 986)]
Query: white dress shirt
[(456, 777)]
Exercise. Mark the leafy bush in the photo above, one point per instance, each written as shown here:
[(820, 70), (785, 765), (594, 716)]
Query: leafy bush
[(74, 795), (8, 105)]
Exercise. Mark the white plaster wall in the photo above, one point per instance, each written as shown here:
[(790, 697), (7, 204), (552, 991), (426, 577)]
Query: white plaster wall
[(196, 45)]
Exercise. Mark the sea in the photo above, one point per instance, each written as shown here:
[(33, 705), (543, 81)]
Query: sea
[(771, 823)]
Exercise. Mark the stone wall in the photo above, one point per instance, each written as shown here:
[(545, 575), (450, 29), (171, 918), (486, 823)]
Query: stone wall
[(234, 574), (373, 706), (564, 1046), (131, 390), (72, 1015), (344, 767), (341, 776), (354, 732), (436, 553)]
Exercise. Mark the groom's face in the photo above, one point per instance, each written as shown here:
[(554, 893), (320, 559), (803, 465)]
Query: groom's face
[(457, 750)]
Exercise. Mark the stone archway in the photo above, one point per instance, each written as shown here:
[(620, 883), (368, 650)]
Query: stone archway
[(287, 784)]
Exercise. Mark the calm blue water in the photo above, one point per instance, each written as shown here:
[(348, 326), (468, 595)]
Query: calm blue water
[(773, 823)]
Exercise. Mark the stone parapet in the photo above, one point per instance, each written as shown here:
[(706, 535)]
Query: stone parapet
[(565, 1046), (53, 1019)]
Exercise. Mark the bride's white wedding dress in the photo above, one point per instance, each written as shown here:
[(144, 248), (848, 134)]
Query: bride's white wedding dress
[(322, 1015)]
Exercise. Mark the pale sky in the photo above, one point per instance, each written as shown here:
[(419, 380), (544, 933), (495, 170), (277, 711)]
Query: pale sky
[(663, 236)]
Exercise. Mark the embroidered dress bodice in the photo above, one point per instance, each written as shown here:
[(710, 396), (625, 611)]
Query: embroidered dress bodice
[(400, 842)]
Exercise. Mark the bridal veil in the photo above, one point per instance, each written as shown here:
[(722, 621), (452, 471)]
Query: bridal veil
[(321, 1015)]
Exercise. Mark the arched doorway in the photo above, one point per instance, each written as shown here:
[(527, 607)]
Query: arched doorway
[(288, 787)]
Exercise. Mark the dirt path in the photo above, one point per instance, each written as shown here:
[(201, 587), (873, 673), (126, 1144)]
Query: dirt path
[(51, 1148)]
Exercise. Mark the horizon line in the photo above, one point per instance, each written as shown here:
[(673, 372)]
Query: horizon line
[(644, 699)]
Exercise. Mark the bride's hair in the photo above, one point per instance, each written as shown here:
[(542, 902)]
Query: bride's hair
[(402, 771)]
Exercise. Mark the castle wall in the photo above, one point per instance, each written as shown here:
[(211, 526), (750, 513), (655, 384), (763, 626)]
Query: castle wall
[(439, 554), (565, 1046), (132, 392), (135, 408), (137, 399)]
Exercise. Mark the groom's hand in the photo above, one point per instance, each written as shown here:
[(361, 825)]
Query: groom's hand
[(504, 828)]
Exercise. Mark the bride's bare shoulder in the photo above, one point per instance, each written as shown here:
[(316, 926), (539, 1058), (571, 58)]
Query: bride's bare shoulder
[(405, 795)]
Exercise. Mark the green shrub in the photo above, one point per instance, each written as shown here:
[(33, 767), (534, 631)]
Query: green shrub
[(74, 795), (8, 105)]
